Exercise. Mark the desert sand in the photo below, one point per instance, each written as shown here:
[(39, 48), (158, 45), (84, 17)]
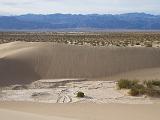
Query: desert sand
[(26, 62), (35, 111), (65, 91), (33, 76), (54, 73), (14, 115)]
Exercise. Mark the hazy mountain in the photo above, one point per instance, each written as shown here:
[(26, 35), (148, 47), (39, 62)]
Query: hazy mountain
[(140, 21)]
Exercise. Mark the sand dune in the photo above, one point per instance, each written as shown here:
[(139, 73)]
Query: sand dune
[(14, 115), (81, 111), (23, 63)]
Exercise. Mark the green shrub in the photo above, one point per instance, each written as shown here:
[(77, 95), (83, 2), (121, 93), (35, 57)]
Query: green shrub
[(150, 84), (153, 88), (126, 84), (80, 94), (137, 89), (134, 92), (150, 88), (156, 83)]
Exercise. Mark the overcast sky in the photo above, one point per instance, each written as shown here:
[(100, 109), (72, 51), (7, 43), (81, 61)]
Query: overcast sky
[(16, 7)]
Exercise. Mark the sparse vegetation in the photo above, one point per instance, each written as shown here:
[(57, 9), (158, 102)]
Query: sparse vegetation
[(153, 92), (126, 84), (148, 44), (152, 83), (155, 83), (134, 92), (150, 88), (80, 94), (148, 84), (119, 39), (137, 89)]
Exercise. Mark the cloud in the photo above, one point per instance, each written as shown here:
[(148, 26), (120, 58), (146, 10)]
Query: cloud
[(78, 6)]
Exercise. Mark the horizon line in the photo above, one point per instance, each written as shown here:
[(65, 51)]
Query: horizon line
[(83, 14)]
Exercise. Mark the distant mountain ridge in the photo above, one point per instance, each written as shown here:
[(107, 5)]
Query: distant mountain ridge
[(140, 21)]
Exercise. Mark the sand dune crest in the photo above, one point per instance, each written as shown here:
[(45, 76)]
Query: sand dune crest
[(22, 62)]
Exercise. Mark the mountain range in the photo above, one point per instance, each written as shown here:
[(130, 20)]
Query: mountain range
[(140, 21)]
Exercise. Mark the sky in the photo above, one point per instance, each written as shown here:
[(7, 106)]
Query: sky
[(18, 7)]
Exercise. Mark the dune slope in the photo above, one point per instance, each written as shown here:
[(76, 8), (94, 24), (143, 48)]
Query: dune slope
[(14, 115), (22, 62), (80, 111)]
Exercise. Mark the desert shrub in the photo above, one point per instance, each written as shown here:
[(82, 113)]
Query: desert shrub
[(150, 88), (118, 45), (134, 92), (156, 83), (126, 84), (137, 90), (153, 88), (148, 44), (151, 84), (148, 84), (137, 43), (140, 88), (80, 94), (153, 92)]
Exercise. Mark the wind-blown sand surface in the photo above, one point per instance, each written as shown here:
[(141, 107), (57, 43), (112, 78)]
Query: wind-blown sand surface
[(14, 115), (78, 111), (23, 63), (38, 66)]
